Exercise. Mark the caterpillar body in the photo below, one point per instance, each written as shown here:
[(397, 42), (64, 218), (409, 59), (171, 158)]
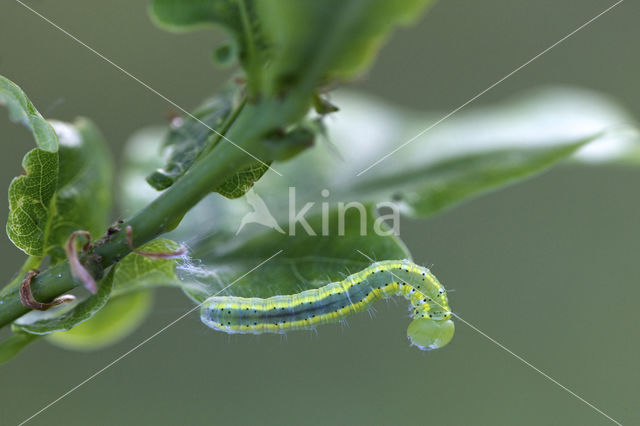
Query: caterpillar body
[(431, 327)]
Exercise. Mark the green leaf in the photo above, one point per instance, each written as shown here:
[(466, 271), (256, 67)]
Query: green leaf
[(176, 15), (136, 272), (83, 196), (238, 17), (115, 321), (286, 145), (61, 192), (330, 38), (281, 40), (68, 315), (138, 160), (22, 110), (30, 199), (30, 195), (243, 181), (428, 190), (67, 180), (477, 151), (188, 137), (469, 154), (305, 262), (14, 344), (491, 147)]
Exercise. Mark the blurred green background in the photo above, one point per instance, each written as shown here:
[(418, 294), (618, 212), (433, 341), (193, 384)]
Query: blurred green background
[(548, 267)]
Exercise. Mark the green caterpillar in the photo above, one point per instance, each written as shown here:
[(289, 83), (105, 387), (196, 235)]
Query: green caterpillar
[(431, 327)]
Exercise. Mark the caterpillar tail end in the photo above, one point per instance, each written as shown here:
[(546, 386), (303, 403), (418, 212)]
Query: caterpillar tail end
[(429, 334)]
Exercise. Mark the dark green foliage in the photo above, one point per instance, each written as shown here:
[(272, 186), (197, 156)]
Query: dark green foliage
[(289, 52)]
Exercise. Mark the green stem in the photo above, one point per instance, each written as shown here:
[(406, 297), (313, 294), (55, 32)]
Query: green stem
[(274, 111), (210, 144), (254, 76), (166, 211)]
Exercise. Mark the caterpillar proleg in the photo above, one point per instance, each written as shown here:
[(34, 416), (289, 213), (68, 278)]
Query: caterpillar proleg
[(431, 327)]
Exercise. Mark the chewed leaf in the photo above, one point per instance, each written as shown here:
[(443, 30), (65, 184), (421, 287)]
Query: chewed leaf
[(116, 320), (306, 261), (188, 137), (136, 272), (66, 316), (30, 199), (21, 109)]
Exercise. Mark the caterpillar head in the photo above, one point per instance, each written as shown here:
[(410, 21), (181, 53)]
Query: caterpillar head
[(429, 334)]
